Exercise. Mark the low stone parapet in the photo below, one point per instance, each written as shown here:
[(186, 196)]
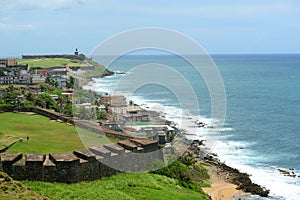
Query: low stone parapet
[(80, 165)]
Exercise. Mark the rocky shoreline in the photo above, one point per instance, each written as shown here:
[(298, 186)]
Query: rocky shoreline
[(229, 174), (242, 180)]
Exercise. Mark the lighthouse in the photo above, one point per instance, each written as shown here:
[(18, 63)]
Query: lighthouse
[(76, 52)]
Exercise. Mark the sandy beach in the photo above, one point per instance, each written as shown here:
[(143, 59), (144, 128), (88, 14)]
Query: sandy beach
[(220, 189)]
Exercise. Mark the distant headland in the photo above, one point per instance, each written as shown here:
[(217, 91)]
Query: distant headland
[(75, 56)]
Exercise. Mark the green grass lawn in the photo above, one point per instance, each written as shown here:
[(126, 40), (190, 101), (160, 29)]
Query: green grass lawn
[(45, 135), (15, 86), (49, 62), (122, 186), (138, 123)]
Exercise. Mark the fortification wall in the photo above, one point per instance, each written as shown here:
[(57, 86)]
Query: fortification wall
[(77, 166), (67, 56), (8, 146)]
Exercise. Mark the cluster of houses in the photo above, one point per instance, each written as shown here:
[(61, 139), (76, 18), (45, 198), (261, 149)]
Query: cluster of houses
[(13, 73), (124, 113), (131, 118)]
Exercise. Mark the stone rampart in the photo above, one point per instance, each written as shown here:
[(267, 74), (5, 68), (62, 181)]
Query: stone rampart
[(77, 166), (66, 56)]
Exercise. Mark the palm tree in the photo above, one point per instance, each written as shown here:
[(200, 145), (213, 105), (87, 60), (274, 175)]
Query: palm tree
[(29, 96)]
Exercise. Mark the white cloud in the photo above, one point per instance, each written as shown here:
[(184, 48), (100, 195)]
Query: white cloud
[(38, 4), (12, 18)]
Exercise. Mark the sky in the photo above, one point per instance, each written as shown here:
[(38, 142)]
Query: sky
[(231, 26)]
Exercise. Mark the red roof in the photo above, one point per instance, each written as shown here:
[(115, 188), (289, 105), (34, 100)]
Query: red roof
[(42, 72)]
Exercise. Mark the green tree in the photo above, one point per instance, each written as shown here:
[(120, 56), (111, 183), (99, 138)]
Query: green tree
[(56, 84), (97, 102), (69, 109), (10, 88), (70, 83), (29, 96), (46, 101), (44, 87), (10, 96), (101, 115)]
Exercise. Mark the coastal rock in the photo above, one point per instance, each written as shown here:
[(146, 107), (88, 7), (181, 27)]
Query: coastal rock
[(243, 181), (198, 142), (290, 172), (239, 148), (284, 172), (292, 175), (232, 175), (107, 73)]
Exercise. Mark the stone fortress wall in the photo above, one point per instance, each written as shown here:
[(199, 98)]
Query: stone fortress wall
[(77, 166), (66, 56)]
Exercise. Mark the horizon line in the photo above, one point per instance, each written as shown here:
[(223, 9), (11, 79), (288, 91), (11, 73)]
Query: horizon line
[(151, 54)]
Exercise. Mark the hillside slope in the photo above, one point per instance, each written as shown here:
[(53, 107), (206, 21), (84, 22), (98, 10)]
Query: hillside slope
[(11, 190), (122, 186)]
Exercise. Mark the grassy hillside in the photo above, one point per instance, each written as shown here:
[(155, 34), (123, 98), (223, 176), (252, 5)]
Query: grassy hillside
[(49, 62), (99, 70), (122, 186), (11, 190), (45, 135)]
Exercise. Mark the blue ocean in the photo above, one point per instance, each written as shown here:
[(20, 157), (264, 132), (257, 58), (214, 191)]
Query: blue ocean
[(262, 124)]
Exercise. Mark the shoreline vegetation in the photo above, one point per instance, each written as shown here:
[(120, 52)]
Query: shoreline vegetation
[(190, 172)]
